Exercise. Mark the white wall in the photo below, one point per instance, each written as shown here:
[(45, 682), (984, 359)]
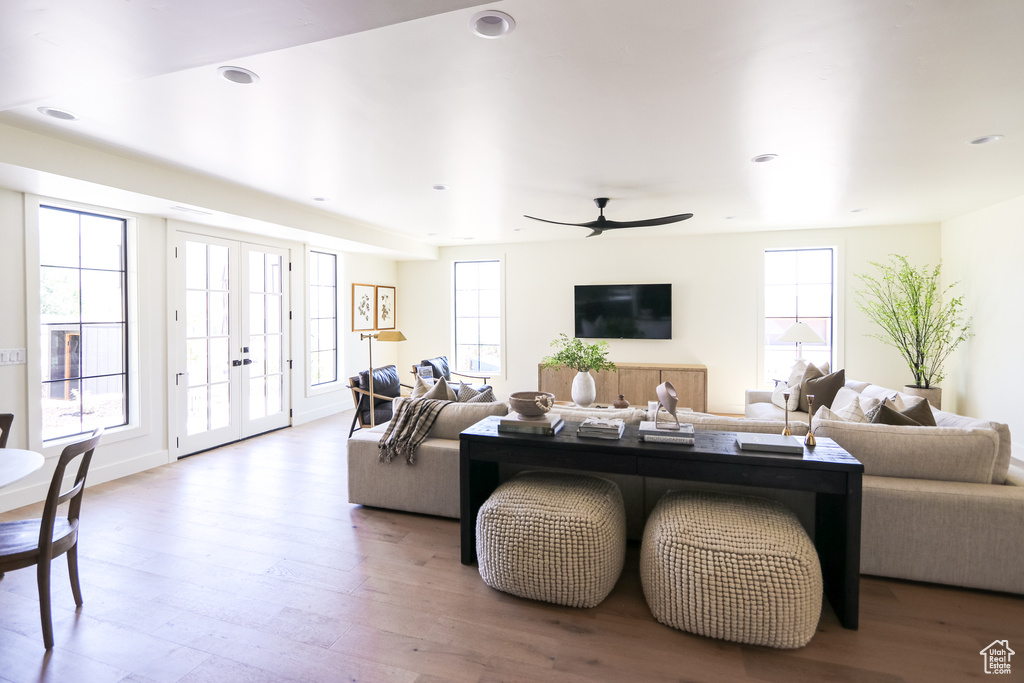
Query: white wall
[(716, 316), (984, 251), (147, 446)]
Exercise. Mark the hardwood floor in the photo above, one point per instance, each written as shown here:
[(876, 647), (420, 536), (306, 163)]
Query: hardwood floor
[(247, 564)]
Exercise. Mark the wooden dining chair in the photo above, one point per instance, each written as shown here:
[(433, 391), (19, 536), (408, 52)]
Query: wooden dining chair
[(37, 541), (6, 420)]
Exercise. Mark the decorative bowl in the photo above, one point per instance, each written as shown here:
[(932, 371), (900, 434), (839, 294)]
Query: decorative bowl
[(531, 404)]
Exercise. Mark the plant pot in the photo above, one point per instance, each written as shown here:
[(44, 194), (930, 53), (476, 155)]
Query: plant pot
[(933, 394), (584, 389)]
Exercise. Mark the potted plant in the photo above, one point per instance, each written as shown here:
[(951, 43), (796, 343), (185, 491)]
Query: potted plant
[(908, 304), (582, 357)]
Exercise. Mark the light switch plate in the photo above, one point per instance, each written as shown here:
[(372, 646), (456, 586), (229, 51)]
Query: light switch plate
[(12, 356)]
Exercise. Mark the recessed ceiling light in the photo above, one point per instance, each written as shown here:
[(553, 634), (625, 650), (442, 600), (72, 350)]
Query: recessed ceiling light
[(463, 239), (237, 74), (761, 158), (431, 234), (729, 218), (985, 139), (519, 230), (857, 210), (62, 114), (319, 199), (492, 24), (441, 187)]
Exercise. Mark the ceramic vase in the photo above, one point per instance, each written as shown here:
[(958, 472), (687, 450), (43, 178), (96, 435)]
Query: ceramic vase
[(584, 390), (933, 394)]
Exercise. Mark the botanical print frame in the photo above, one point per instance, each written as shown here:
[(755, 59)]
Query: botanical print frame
[(385, 308), (363, 307)]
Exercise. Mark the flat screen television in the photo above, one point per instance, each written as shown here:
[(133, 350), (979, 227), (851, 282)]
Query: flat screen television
[(623, 311)]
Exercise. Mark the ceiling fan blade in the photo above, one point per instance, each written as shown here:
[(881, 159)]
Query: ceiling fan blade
[(545, 220), (596, 231), (664, 220)]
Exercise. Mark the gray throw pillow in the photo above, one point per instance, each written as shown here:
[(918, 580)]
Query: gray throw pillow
[(485, 396), (466, 392), (441, 391), (920, 413), (889, 416), (824, 389), (810, 373)]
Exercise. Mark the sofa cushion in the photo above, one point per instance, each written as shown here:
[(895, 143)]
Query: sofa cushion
[(779, 396), (484, 396), (944, 419), (857, 409), (455, 417), (720, 423), (770, 411), (441, 391), (939, 453), (824, 389)]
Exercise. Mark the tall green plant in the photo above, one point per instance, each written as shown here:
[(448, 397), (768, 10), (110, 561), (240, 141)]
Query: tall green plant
[(578, 355), (908, 305)]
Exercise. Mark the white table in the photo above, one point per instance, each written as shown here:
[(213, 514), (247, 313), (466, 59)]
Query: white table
[(16, 464)]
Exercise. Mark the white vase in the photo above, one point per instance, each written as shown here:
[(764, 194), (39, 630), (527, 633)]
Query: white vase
[(584, 390)]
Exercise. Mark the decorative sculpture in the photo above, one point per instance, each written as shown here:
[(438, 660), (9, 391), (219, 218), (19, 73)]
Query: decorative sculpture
[(668, 400)]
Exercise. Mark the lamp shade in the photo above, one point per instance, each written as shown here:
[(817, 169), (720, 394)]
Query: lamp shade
[(390, 335), (801, 333)]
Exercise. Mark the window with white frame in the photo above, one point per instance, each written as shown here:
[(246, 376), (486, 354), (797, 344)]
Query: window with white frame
[(478, 316), (799, 286), (83, 295), (323, 318)]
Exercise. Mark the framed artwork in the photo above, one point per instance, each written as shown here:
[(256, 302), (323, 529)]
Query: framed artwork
[(362, 307), (385, 308)]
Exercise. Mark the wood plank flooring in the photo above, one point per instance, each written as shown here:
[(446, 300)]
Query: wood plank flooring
[(246, 563)]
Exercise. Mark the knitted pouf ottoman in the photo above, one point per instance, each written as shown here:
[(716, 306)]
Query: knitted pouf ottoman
[(731, 567), (555, 537)]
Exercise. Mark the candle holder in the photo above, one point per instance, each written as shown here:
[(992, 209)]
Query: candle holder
[(809, 439), (785, 397)]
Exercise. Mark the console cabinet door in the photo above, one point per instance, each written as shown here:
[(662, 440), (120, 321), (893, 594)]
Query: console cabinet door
[(691, 387)]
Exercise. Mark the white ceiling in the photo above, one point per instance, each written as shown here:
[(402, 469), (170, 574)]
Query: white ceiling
[(658, 104)]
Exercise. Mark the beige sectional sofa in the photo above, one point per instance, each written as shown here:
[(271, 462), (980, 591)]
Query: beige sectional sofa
[(941, 504)]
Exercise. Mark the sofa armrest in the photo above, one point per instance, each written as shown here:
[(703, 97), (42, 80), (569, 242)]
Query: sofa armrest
[(1014, 476), (758, 396)]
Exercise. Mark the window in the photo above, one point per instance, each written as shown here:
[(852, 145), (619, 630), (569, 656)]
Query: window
[(798, 286), (323, 318), (478, 316), (83, 321)]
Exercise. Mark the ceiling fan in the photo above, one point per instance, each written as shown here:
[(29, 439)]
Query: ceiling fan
[(601, 224)]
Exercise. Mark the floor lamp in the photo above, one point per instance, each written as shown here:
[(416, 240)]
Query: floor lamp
[(385, 335), (799, 333)]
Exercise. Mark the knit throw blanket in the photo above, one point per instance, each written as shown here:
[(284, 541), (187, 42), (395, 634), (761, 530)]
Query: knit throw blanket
[(407, 429)]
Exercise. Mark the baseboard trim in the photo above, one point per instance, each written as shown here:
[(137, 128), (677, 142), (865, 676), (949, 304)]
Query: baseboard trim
[(36, 493), (326, 411)]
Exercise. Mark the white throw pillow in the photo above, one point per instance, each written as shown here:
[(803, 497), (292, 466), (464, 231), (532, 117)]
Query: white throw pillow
[(844, 397), (440, 390), (826, 413), (779, 399), (857, 410), (797, 373)]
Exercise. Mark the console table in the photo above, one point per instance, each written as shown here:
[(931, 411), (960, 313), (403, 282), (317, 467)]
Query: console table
[(827, 470), (635, 381)]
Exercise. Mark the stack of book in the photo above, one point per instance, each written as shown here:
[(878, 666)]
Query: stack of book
[(602, 428), (649, 432), (549, 424)]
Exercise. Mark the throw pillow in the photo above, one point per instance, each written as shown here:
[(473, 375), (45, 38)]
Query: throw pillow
[(465, 392), (920, 412), (825, 413), (441, 391), (796, 375), (856, 410), (485, 396), (779, 399), (823, 389), (844, 397), (420, 387), (812, 372), (886, 415)]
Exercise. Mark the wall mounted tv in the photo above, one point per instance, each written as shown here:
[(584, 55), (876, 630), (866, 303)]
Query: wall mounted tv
[(624, 311)]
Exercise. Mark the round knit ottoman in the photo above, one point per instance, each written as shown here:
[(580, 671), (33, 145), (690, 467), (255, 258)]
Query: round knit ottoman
[(555, 537), (731, 567)]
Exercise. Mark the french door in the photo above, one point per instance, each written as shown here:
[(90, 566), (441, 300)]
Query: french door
[(231, 380)]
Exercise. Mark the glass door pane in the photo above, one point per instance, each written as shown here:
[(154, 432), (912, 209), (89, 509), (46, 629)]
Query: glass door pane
[(208, 342)]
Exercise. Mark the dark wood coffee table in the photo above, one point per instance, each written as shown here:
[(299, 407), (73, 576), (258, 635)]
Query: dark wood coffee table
[(832, 474)]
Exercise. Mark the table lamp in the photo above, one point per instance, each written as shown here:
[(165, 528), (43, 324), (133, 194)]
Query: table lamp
[(799, 333)]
